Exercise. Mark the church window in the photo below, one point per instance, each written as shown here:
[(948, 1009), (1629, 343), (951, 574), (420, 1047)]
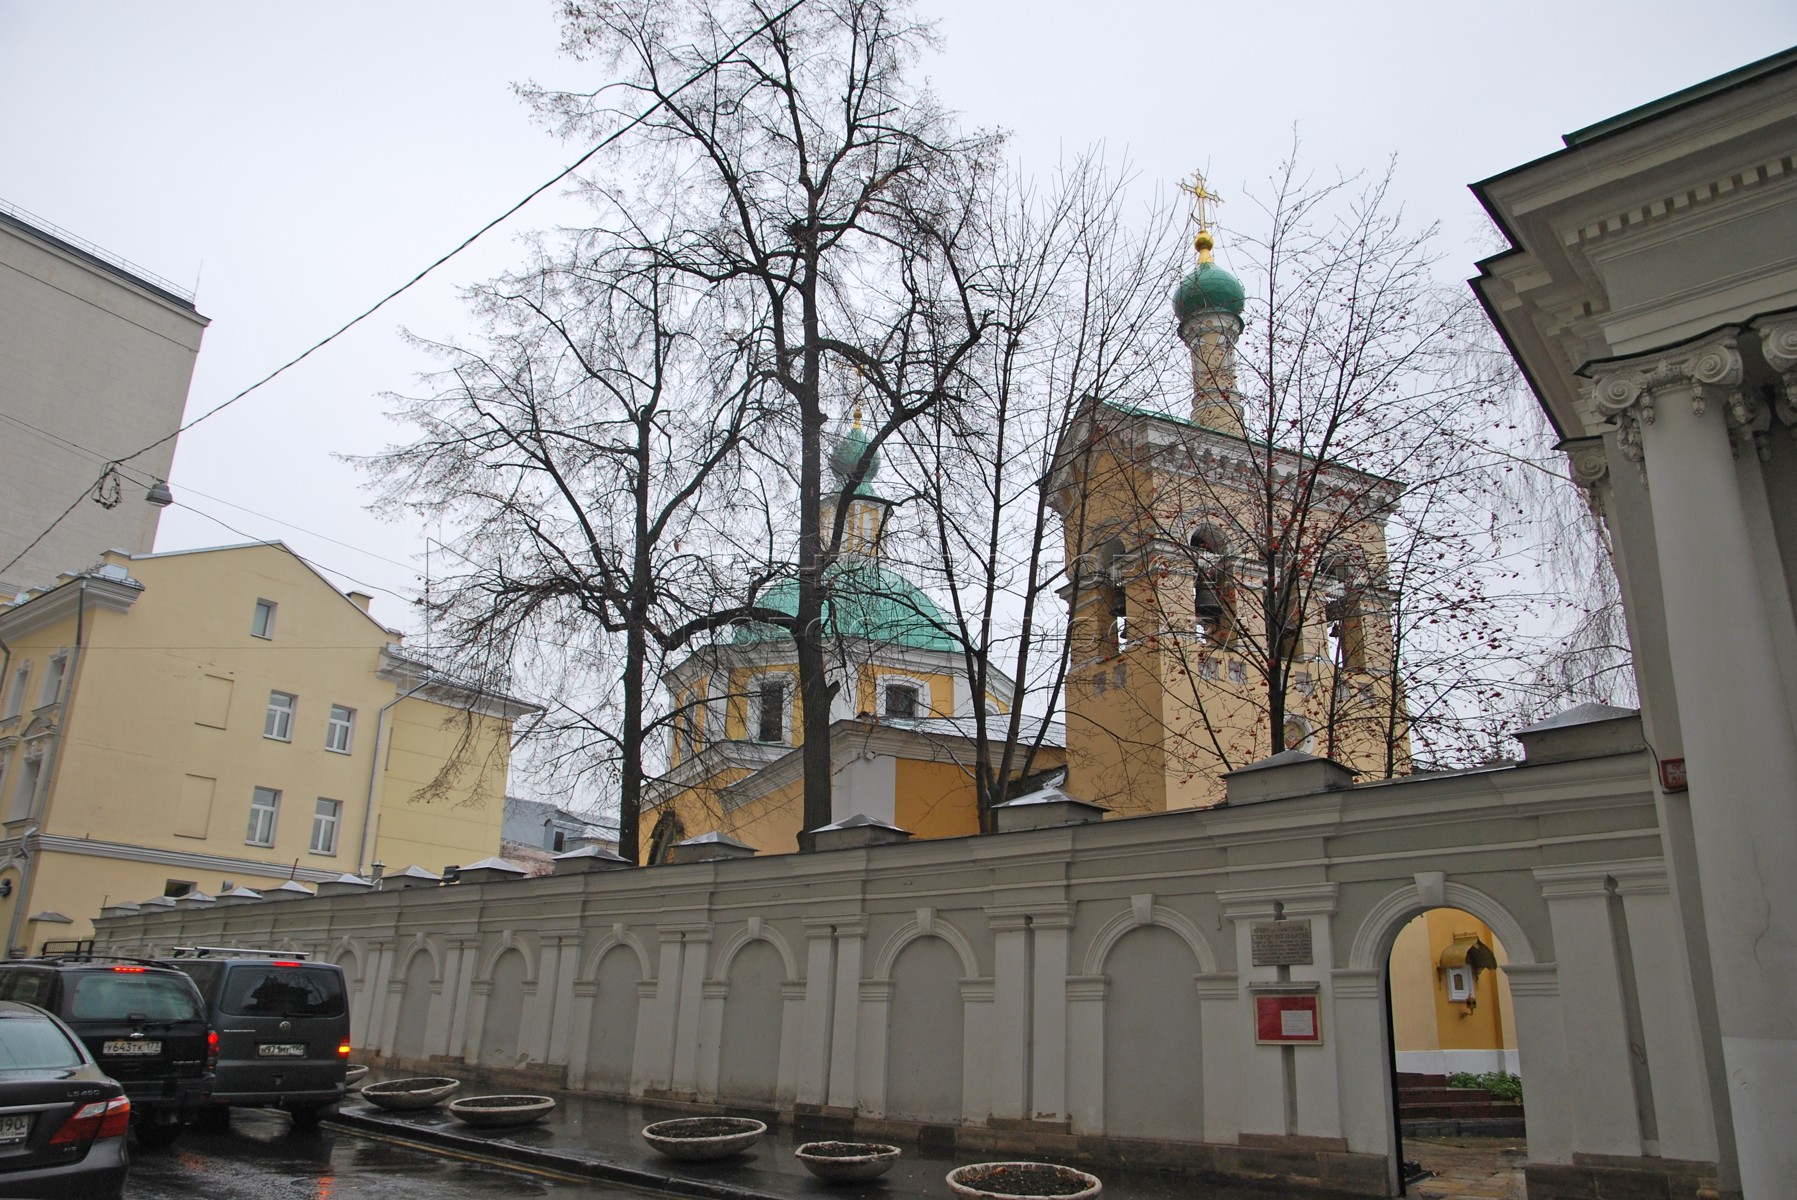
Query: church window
[(1238, 672), (767, 710), (901, 700), (1346, 622), (1207, 667), (1213, 592), (1114, 599)]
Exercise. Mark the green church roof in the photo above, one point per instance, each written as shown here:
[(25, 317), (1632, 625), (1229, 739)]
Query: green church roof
[(1209, 288), (868, 603)]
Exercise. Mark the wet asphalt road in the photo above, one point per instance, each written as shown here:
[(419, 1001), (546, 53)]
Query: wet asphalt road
[(263, 1158)]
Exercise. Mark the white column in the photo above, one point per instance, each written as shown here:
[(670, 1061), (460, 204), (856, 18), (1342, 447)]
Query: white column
[(1606, 1114), (584, 993), (1541, 1042), (1361, 1048), (654, 1066), (844, 1019), (977, 1035), (1051, 948), (711, 1036), (480, 991), (1681, 1095), (1222, 1012), (695, 953), (561, 1001), (373, 999), (813, 1085), (1085, 1052), (449, 1014), (873, 1013), (1740, 747), (1007, 1053), (792, 1040)]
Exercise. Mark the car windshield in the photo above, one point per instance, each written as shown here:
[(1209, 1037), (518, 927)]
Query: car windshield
[(273, 991), (32, 1043), (120, 995)]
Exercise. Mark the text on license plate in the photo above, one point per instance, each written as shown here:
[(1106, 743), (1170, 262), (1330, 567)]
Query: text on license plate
[(282, 1050), (14, 1129), (130, 1049)]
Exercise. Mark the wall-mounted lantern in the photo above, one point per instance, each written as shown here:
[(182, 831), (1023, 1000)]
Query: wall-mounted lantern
[(1460, 965)]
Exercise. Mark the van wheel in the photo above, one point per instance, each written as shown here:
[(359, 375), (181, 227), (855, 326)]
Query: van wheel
[(306, 1116), (157, 1135)]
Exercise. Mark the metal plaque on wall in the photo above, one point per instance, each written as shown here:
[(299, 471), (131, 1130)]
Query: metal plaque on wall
[(1280, 943)]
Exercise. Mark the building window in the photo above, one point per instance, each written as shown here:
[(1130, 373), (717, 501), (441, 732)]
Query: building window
[(1238, 671), (279, 722), (262, 623), (560, 842), (325, 819), (339, 733), (265, 806), (767, 716), (15, 699), (55, 669), (24, 793), (901, 700), (177, 888)]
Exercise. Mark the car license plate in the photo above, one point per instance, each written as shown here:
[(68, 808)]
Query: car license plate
[(14, 1129), (282, 1050), (131, 1049)]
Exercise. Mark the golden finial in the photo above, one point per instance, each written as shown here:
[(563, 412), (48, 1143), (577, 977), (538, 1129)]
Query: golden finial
[(1202, 199)]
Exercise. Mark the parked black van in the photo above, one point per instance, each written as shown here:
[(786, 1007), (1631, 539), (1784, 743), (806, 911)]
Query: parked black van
[(144, 1024), (283, 1027)]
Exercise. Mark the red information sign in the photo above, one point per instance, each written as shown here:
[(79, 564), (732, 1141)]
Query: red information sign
[(1287, 1021)]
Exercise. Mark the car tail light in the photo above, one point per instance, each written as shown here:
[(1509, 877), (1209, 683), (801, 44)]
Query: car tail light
[(343, 1049), (130, 970), (101, 1119), (211, 1049), (278, 963)]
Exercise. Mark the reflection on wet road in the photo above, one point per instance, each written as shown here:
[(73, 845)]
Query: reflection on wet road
[(262, 1158)]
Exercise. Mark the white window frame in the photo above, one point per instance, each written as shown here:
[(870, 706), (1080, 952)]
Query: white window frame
[(263, 815), (56, 668), (29, 781), (346, 725), (267, 630), (277, 725), (918, 687), (753, 732), (327, 819), (15, 699)]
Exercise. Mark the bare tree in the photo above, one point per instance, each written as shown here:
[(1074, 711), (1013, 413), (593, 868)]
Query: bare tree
[(825, 203), (1076, 293), (588, 454)]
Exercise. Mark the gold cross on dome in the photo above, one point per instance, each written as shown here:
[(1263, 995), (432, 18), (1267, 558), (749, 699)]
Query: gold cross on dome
[(1202, 198)]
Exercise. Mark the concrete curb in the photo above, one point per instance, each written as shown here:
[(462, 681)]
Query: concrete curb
[(512, 1154)]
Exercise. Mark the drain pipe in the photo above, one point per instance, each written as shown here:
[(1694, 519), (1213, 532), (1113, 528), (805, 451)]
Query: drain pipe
[(374, 774)]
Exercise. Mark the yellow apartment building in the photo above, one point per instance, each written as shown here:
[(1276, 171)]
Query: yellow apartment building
[(176, 725)]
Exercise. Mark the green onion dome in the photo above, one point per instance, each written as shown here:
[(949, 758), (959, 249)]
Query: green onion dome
[(1209, 288)]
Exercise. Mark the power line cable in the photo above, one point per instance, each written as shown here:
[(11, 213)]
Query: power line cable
[(703, 71)]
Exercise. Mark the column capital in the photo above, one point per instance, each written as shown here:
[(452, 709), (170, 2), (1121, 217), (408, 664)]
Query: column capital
[(1778, 345), (1625, 391)]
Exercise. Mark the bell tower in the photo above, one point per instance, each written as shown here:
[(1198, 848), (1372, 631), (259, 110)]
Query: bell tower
[(1194, 634)]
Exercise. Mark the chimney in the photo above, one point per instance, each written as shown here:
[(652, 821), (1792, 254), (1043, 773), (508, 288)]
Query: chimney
[(360, 599)]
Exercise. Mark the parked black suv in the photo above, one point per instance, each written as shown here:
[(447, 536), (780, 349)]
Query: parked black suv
[(144, 1024), (283, 1027)]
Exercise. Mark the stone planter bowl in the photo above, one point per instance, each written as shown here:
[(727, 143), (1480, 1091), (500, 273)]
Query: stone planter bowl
[(406, 1095), (986, 1181), (846, 1162), (354, 1073), (493, 1112), (695, 1139)]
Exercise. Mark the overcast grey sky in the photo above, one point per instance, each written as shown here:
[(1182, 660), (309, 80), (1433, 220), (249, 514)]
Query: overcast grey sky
[(300, 160)]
